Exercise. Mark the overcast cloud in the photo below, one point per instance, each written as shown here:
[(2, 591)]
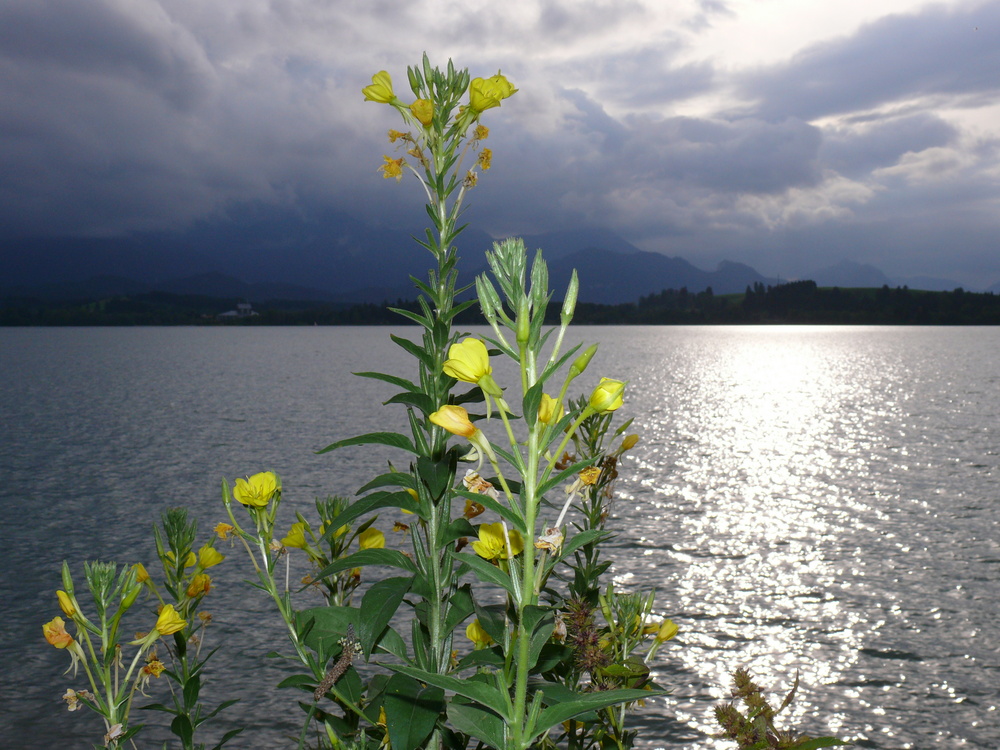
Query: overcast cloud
[(784, 135)]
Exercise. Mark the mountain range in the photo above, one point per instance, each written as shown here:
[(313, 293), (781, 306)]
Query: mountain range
[(263, 255)]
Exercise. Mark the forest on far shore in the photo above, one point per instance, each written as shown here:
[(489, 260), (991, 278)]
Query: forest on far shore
[(798, 302)]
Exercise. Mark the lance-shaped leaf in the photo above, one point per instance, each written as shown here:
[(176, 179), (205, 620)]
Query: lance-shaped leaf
[(411, 711), (367, 504), (486, 571), (476, 721), (379, 604), (390, 557), (582, 703), (392, 439), (483, 694)]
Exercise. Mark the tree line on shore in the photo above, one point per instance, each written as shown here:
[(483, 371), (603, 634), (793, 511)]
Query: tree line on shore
[(799, 302)]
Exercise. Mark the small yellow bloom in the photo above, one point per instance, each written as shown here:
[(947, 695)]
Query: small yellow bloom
[(455, 420), (485, 158), (371, 539), (590, 475), (256, 491), (423, 110), (468, 361), (629, 442), (55, 633), (493, 546), (479, 637), (667, 631), (392, 168), (154, 667), (296, 536), (223, 530), (549, 409), (607, 396), (380, 89), (65, 603), (169, 622), (209, 556), (200, 585), (481, 133), (395, 135), (141, 576), (205, 617), (486, 93)]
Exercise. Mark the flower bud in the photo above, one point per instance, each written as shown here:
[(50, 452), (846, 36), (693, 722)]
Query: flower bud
[(581, 362), (66, 603), (569, 301), (380, 89), (607, 396)]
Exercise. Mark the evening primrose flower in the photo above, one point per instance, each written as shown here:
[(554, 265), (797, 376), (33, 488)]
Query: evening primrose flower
[(169, 622), (66, 603), (256, 491), (666, 631), (628, 442), (607, 396), (73, 699), (590, 475), (209, 556), (486, 93), (392, 168), (423, 110), (141, 576), (549, 409), (223, 530), (189, 561), (296, 536), (55, 633), (492, 544), (479, 637), (455, 420), (200, 585), (485, 159), (371, 539), (380, 89), (469, 361), (481, 133)]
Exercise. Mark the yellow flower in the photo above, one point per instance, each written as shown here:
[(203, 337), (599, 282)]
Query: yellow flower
[(141, 576), (468, 361), (200, 585), (479, 637), (455, 420), (65, 603), (549, 410), (607, 396), (371, 539), (55, 633), (590, 475), (629, 442), (485, 158), (380, 89), (296, 536), (423, 110), (395, 135), (256, 491), (209, 556), (481, 133), (392, 168), (667, 631), (154, 667), (486, 93), (169, 622), (492, 545), (223, 530)]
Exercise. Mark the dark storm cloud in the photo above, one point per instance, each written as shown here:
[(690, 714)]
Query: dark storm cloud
[(856, 151), (946, 56)]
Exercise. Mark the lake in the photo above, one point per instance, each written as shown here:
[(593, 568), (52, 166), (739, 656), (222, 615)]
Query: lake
[(811, 500)]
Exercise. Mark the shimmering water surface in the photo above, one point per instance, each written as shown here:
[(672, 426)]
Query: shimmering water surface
[(820, 501)]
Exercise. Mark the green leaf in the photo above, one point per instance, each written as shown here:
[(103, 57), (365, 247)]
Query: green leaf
[(461, 607), (392, 439), (505, 512), (392, 642), (415, 317), (557, 714), (415, 350), (411, 711), (181, 726), (530, 402), (396, 381), (191, 689), (421, 401), (379, 604), (298, 680), (476, 721), (540, 622), (325, 626), (227, 736), (437, 475), (390, 557), (389, 479), (457, 529), (493, 620), (369, 503), (486, 571), (485, 695)]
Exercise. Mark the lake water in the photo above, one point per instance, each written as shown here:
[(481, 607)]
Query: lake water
[(820, 501)]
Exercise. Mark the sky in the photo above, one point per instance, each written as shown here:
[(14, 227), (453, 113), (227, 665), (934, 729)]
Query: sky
[(784, 134)]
